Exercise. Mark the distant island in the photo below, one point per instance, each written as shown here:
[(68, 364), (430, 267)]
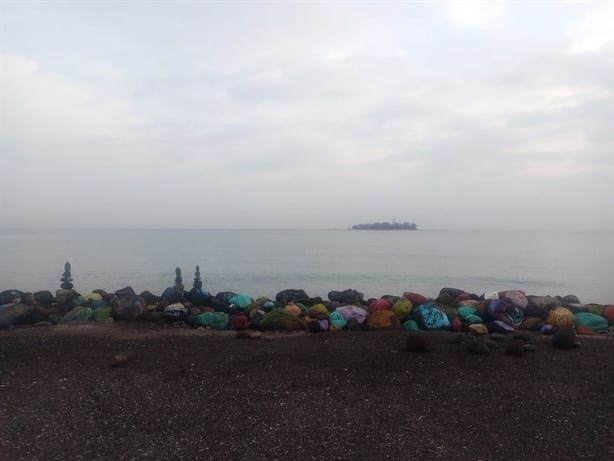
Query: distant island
[(386, 226)]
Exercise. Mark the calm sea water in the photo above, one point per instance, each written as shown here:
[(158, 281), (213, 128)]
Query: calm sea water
[(263, 262)]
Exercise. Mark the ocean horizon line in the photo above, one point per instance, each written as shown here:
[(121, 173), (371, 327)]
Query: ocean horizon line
[(199, 229)]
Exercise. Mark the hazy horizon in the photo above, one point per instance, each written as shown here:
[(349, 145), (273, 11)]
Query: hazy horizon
[(434, 229), (453, 115)]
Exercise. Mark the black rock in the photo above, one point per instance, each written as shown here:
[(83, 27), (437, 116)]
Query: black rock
[(55, 318), (10, 296), (564, 338), (44, 298), (392, 299), (225, 296), (570, 299), (127, 305), (349, 296), (149, 298), (105, 296), (66, 278), (126, 292), (66, 297), (291, 295), (172, 295), (417, 342), (454, 293), (475, 346), (199, 297), (314, 326)]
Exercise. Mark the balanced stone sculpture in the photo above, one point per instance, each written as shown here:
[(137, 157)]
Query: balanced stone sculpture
[(198, 284), (174, 294), (178, 280), (197, 295), (66, 278)]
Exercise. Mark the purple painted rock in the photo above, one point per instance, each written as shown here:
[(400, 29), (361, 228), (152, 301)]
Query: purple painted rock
[(358, 314), (515, 298)]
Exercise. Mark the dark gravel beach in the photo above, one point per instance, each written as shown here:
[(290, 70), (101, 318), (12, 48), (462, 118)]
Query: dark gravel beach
[(195, 394)]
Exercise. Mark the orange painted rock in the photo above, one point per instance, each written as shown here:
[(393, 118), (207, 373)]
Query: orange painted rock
[(293, 309), (383, 319)]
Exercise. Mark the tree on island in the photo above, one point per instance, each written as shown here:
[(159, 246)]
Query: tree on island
[(386, 226)]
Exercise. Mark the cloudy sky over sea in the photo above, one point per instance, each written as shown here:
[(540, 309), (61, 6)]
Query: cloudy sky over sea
[(259, 115)]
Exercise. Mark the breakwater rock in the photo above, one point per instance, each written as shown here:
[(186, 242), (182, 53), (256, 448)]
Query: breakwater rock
[(453, 309)]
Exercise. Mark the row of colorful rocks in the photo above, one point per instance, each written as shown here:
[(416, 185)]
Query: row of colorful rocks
[(453, 309)]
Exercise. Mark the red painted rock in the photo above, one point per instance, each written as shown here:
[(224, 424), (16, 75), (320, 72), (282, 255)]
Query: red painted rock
[(381, 304), (415, 298), (585, 331), (240, 322)]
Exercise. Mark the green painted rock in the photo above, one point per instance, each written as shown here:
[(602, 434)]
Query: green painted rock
[(78, 313), (258, 304), (466, 311), (214, 320), (241, 301), (410, 325), (16, 314), (281, 319), (592, 321), (101, 314), (596, 309), (337, 320)]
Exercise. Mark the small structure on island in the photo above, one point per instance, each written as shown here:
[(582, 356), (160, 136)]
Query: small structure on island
[(66, 278)]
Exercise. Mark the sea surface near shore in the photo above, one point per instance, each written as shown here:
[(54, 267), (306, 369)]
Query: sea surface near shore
[(263, 262)]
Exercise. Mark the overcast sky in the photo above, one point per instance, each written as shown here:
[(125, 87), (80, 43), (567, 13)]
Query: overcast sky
[(239, 115)]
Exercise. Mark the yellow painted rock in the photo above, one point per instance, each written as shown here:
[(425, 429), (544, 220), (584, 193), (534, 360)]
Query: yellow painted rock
[(402, 309), (478, 329), (561, 317), (318, 310)]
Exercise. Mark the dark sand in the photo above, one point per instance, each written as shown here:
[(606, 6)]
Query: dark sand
[(196, 394)]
